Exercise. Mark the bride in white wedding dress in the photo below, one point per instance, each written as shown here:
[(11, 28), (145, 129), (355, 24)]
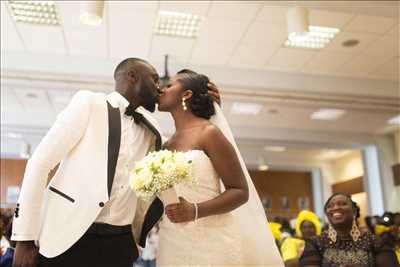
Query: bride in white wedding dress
[(220, 221)]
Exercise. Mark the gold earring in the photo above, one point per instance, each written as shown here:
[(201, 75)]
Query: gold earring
[(355, 232), (332, 234), (184, 104)]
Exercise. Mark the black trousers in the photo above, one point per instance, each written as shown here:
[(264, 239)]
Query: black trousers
[(94, 250)]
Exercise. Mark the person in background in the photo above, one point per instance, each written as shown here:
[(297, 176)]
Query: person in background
[(276, 232), (6, 252), (148, 257), (286, 229), (388, 232), (396, 230), (307, 225), (343, 244), (396, 219)]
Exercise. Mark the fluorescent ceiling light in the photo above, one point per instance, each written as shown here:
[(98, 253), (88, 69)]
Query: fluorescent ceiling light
[(178, 24), (246, 108), (275, 148), (394, 120), (327, 114), (34, 12), (13, 135), (315, 38)]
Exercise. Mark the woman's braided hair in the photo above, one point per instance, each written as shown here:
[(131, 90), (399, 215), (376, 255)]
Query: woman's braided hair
[(201, 103)]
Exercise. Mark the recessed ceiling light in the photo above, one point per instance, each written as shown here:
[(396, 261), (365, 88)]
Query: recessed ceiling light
[(350, 43), (178, 24), (31, 95), (327, 114), (246, 108), (34, 12), (275, 148), (316, 38), (394, 120)]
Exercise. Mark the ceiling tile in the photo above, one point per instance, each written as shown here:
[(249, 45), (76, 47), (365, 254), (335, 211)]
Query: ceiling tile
[(394, 30), (178, 49), (371, 24), (139, 7), (42, 38), (82, 39), (245, 10), (389, 70), (326, 62), (208, 52), (59, 95), (9, 101), (12, 42), (131, 28), (325, 18), (290, 59), (192, 7), (265, 33), (274, 14), (386, 45), (361, 65), (364, 39), (253, 56), (59, 99), (33, 99), (222, 30)]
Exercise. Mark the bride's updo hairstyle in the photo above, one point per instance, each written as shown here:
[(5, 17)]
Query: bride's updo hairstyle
[(201, 103)]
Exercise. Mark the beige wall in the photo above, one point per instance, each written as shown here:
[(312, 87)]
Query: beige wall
[(389, 150), (362, 201), (397, 145), (348, 167), (342, 169)]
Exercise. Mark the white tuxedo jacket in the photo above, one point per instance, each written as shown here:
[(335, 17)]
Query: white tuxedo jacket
[(85, 138)]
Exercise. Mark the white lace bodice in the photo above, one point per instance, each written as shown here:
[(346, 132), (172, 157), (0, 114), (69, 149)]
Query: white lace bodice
[(207, 186), (207, 241)]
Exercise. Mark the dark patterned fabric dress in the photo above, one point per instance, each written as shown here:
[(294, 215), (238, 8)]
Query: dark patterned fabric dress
[(365, 252)]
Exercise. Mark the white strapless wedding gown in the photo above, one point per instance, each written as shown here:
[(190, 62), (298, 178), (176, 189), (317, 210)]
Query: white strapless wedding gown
[(210, 241)]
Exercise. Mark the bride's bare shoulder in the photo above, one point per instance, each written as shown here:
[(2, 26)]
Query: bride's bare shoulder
[(211, 135)]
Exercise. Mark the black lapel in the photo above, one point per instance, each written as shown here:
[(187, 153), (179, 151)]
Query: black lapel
[(114, 142), (153, 215)]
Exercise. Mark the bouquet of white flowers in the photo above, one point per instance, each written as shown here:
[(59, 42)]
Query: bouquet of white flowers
[(160, 171)]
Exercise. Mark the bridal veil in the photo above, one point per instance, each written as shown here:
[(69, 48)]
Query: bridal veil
[(258, 244)]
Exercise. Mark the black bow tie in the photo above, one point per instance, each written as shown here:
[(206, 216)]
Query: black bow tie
[(139, 118), (130, 111)]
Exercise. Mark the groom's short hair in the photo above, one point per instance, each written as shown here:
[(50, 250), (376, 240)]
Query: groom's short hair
[(129, 63)]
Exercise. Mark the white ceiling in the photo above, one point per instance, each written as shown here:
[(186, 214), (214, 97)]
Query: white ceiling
[(234, 34), (239, 47)]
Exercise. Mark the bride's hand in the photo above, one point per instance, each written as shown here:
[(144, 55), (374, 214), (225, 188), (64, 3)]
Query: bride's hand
[(183, 211)]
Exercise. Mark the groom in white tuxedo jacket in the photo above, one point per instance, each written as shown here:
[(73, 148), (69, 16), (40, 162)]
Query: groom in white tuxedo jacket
[(83, 216)]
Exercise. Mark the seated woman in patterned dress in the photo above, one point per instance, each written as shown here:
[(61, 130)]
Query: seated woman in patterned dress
[(343, 244)]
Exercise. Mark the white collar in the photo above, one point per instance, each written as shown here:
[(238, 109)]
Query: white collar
[(118, 101)]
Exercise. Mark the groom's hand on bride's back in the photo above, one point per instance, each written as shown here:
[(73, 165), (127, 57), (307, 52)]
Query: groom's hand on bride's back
[(183, 211), (214, 92)]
